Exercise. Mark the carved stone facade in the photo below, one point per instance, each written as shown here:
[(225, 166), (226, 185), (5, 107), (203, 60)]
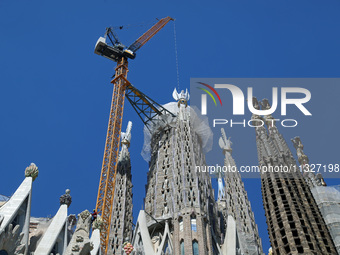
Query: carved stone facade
[(80, 243), (121, 218), (295, 224), (180, 199)]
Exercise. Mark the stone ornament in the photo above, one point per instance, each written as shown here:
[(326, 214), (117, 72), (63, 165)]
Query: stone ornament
[(302, 158), (225, 142), (126, 136), (97, 223), (32, 171), (66, 199), (72, 220), (128, 248), (80, 242), (265, 104), (10, 240), (182, 97), (84, 215)]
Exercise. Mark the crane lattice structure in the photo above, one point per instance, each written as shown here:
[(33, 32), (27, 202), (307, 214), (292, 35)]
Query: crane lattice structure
[(116, 51)]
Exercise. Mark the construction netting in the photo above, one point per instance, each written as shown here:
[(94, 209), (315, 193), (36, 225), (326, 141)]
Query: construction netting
[(328, 200), (199, 125)]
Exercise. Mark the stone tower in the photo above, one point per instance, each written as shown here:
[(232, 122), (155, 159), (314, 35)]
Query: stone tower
[(295, 224), (327, 198), (237, 204), (180, 210), (121, 218)]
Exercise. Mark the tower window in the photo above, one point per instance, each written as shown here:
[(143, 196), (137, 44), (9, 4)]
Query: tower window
[(195, 247), (181, 224), (182, 247), (193, 224), (3, 252)]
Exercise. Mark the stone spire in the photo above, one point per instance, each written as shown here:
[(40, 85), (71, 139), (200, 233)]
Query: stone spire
[(238, 205), (55, 239), (311, 179), (181, 213), (15, 216), (121, 218), (294, 221)]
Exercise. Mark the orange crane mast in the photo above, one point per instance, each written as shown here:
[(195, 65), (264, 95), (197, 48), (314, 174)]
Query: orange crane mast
[(120, 54)]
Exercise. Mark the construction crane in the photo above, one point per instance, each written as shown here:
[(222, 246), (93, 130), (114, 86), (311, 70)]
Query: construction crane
[(110, 47)]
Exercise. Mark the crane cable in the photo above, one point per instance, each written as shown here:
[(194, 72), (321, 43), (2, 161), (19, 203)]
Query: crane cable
[(177, 69)]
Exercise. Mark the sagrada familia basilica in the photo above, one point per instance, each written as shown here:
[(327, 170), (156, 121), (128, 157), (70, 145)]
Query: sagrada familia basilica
[(181, 215)]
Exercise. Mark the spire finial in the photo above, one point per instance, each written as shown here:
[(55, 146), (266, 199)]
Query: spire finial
[(256, 103), (126, 136), (32, 171), (265, 104), (224, 142), (182, 97), (66, 199), (302, 158)]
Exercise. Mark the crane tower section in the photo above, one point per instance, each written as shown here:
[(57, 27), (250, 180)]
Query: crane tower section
[(110, 47)]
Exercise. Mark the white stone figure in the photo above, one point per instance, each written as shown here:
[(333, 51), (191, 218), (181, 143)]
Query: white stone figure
[(182, 97), (225, 142), (126, 136)]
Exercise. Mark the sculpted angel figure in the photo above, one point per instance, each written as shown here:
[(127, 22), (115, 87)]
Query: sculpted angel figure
[(182, 97)]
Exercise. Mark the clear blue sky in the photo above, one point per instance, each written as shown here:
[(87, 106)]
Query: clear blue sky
[(56, 93)]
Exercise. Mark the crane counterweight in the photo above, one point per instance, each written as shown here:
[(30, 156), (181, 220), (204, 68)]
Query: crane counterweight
[(114, 53)]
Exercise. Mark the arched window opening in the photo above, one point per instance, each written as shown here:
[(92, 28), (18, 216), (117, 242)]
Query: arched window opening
[(182, 247), (180, 224), (195, 247), (193, 223)]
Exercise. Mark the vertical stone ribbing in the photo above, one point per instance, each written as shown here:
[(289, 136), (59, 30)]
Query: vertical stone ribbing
[(175, 191), (237, 203), (327, 198), (121, 218), (295, 224)]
